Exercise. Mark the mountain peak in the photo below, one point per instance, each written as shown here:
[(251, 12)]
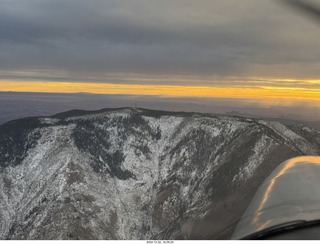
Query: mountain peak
[(133, 173)]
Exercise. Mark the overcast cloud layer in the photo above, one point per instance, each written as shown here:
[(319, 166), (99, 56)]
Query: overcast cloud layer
[(155, 41)]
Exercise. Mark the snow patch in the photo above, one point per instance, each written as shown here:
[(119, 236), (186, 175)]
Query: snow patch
[(259, 150)]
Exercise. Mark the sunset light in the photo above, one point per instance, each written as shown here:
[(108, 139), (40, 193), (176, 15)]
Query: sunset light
[(258, 92), (152, 120)]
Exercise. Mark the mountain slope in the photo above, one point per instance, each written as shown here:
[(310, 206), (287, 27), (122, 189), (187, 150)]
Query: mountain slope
[(136, 174)]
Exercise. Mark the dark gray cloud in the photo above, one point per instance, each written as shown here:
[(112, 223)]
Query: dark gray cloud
[(90, 39)]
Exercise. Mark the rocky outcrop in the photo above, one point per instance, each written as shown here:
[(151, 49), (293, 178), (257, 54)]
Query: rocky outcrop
[(137, 174)]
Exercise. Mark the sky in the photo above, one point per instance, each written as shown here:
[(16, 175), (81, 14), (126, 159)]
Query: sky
[(203, 48)]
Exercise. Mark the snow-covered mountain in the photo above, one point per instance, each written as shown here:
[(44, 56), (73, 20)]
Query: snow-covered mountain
[(137, 174)]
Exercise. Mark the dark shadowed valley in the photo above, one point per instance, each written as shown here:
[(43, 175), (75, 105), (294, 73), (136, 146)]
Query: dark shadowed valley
[(137, 174)]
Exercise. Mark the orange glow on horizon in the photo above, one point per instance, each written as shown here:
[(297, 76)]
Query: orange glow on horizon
[(262, 92)]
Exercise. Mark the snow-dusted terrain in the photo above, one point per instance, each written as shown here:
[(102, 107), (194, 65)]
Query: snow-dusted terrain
[(137, 174)]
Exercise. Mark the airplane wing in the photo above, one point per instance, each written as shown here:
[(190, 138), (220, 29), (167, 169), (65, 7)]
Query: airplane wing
[(286, 205), (304, 7)]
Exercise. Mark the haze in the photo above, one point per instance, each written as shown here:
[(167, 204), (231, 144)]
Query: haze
[(235, 51)]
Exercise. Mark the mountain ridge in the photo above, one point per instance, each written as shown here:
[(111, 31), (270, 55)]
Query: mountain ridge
[(134, 173)]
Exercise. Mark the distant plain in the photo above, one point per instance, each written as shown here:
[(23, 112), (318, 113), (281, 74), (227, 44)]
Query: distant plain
[(16, 105)]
